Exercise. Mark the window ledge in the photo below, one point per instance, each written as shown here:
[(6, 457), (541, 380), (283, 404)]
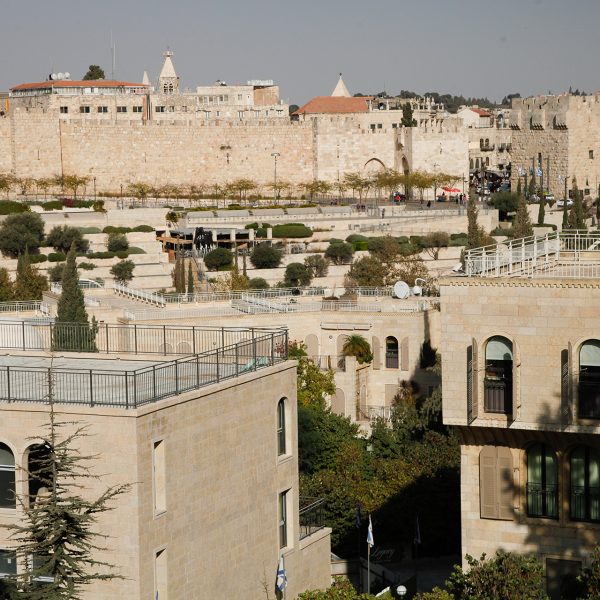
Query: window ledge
[(159, 513), (284, 458)]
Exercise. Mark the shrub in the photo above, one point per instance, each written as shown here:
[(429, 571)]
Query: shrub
[(355, 237), (135, 250), (122, 254), (258, 283), (87, 266), (9, 207), (339, 253), (433, 242), (455, 236), (144, 229), (52, 205), (112, 229), (123, 271), (403, 239), (117, 242), (252, 226), (20, 232), (85, 230), (37, 258), (62, 236), (317, 264), (461, 241), (265, 256), (359, 246), (295, 230), (297, 274), (218, 258), (101, 255), (55, 272), (57, 256), (417, 240)]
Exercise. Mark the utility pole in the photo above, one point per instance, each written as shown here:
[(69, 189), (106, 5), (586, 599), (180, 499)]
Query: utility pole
[(275, 155)]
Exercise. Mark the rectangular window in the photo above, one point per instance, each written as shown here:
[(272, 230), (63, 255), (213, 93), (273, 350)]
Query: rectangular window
[(160, 575), (239, 97), (159, 109), (64, 110), (160, 477), (240, 114), (184, 109), (281, 428), (171, 108), (218, 113), (103, 109), (121, 109), (283, 520), (137, 109), (8, 563), (591, 153), (84, 109)]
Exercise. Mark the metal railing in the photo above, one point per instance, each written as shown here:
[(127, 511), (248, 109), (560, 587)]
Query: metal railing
[(542, 500), (149, 297), (134, 388), (21, 306), (84, 284), (311, 515), (585, 503), (327, 362), (111, 338), (497, 395), (574, 254)]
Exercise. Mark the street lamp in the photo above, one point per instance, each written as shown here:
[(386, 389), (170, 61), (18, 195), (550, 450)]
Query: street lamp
[(401, 591), (275, 155)]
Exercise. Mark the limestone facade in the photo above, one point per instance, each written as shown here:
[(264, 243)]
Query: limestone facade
[(219, 480), (508, 501)]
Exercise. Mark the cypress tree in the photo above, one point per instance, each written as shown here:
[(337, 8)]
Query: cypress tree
[(541, 211), (475, 233), (190, 279), (72, 330), (58, 521), (522, 226), (29, 284), (565, 216), (577, 212), (7, 292)]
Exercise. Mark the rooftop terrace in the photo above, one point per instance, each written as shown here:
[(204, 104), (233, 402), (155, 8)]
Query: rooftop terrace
[(565, 254), (100, 377)]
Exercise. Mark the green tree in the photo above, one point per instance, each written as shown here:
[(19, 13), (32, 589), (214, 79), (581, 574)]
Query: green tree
[(178, 275), (117, 242), (74, 182), (367, 271), (258, 283), (476, 236), (94, 72), (7, 292), (434, 242), (358, 184), (216, 259), (29, 284), (522, 226), (505, 202), (265, 256), (241, 188), (386, 248), (72, 330), (339, 253), (140, 190), (123, 271), (190, 279), (577, 212), (7, 183), (55, 273), (60, 531), (541, 211), (356, 345), (62, 237), (297, 274), (317, 264), (341, 589), (317, 188), (20, 232), (407, 116)]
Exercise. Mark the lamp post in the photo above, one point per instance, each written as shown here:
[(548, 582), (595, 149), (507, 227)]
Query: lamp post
[(275, 155), (401, 591)]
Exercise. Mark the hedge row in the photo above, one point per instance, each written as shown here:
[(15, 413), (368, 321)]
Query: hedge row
[(9, 207), (138, 229)]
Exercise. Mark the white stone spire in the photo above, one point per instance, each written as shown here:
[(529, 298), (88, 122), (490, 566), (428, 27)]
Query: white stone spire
[(341, 89), (168, 81), (145, 78)]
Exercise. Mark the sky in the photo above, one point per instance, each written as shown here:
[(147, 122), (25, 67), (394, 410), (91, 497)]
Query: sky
[(475, 48)]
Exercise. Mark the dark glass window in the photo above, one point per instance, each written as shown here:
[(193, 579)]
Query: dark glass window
[(542, 482), (498, 381)]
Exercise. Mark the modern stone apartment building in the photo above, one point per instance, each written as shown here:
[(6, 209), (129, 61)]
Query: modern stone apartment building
[(521, 356), (207, 438)]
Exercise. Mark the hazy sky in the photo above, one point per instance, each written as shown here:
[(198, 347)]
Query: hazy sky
[(469, 47)]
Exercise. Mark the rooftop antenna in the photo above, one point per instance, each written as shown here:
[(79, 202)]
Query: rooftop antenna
[(113, 54)]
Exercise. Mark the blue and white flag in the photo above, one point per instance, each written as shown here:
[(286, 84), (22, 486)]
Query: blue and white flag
[(522, 172), (561, 178), (281, 575), (538, 172), (370, 534)]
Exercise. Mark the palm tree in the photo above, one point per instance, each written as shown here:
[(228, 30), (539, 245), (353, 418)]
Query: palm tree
[(356, 345)]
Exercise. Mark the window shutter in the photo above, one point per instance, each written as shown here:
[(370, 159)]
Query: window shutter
[(376, 353), (404, 355), (472, 382), (566, 391), (488, 479), (505, 484)]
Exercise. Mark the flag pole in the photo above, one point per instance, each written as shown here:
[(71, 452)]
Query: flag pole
[(368, 568)]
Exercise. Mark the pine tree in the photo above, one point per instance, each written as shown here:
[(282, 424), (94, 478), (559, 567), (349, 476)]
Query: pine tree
[(179, 275), (29, 284), (7, 292), (72, 330), (58, 522), (541, 211), (577, 212), (522, 224), (190, 279), (532, 184), (475, 233)]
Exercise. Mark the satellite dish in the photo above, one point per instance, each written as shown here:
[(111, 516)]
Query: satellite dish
[(60, 75), (53, 77), (67, 75), (401, 290)]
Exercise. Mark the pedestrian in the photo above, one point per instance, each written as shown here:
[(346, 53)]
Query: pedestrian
[(428, 203)]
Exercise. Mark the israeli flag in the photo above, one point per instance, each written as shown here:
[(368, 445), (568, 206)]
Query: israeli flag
[(561, 178), (538, 172), (370, 534), (281, 575), (521, 172)]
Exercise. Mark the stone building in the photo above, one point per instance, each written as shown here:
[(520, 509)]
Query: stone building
[(521, 357), (558, 139), (202, 422)]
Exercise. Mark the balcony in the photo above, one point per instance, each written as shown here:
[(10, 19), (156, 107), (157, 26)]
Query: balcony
[(497, 393), (542, 500), (585, 503), (589, 396), (391, 360), (311, 516), (326, 362), (487, 147)]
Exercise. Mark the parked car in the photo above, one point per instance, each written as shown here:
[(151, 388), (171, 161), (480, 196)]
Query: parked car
[(561, 203), (549, 197), (533, 198)]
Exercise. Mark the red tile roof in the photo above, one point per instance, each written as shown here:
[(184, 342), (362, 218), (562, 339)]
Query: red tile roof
[(334, 105), (481, 112), (67, 83)]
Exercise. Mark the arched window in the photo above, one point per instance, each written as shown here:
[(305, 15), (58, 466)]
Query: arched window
[(391, 352), (470, 164), (7, 478), (281, 433), (487, 142), (585, 484), (498, 382), (477, 163), (39, 472), (589, 380), (542, 482), (487, 161)]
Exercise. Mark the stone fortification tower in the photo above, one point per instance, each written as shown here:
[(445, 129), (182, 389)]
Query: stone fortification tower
[(168, 81)]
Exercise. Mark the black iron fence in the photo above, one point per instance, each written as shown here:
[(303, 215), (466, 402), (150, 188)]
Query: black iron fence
[(312, 516), (542, 500), (122, 338), (135, 388)]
